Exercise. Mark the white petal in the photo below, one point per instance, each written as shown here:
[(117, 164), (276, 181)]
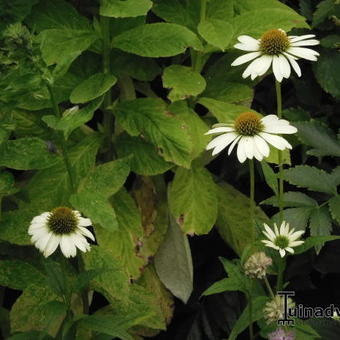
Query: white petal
[(84, 222), (282, 252), (241, 154), (277, 69), (80, 241), (67, 246), (311, 42), (42, 242), (296, 235), (294, 64), (283, 229), (41, 218), (263, 64), (52, 245), (245, 58), (301, 37), (280, 128), (270, 232), (277, 141), (276, 229), (290, 250), (249, 147), (86, 233), (249, 70), (270, 244), (305, 53), (296, 243), (262, 146), (249, 41), (220, 129), (257, 154), (38, 234), (232, 145), (284, 66), (218, 140)]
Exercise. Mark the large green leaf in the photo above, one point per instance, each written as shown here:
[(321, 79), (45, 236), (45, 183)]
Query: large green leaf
[(325, 9), (233, 221), (100, 184), (146, 160), (123, 9), (173, 263), (123, 243), (92, 88), (220, 9), (320, 222), (334, 207), (7, 184), (149, 117), (193, 200), (183, 81), (26, 154), (292, 199), (296, 217), (157, 40), (311, 178)]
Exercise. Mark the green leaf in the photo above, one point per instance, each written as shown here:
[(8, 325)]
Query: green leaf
[(323, 11), (193, 200), (123, 9), (320, 137), (312, 178), (216, 32), (233, 221), (258, 21), (101, 183), (73, 118), (183, 81), (146, 160), (274, 156), (220, 9), (334, 207), (314, 241), (26, 154), (157, 40), (17, 274), (296, 217), (92, 88), (7, 184), (173, 263), (72, 42), (292, 199), (123, 243), (270, 177), (149, 117), (330, 41), (243, 321), (31, 311), (320, 222), (222, 286), (327, 71)]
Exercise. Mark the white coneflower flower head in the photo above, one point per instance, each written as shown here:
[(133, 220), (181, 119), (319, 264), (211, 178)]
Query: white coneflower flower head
[(257, 264), (277, 49), (62, 226), (253, 135), (284, 239)]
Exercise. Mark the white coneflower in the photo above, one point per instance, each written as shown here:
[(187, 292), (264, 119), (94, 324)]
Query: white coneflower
[(257, 265), (283, 240), (252, 134), (62, 226), (275, 48)]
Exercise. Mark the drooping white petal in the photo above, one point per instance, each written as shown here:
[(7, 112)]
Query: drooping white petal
[(301, 37), (294, 64), (38, 234), (257, 154), (80, 242), (290, 250), (245, 58), (284, 66), (232, 145), (277, 141), (296, 235), (263, 64), (41, 218), (279, 128), (42, 241), (249, 147), (249, 41), (86, 233), (305, 53), (241, 154), (67, 246), (217, 141), (311, 42), (249, 70), (52, 245), (84, 222), (220, 129), (223, 145), (282, 252), (276, 69)]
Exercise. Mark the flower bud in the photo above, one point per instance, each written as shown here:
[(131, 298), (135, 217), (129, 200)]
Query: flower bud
[(257, 264)]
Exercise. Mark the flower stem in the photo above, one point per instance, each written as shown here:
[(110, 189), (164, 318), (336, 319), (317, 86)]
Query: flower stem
[(252, 196), (269, 287), (84, 292), (108, 121), (250, 303), (62, 139), (279, 114), (282, 266), (203, 10)]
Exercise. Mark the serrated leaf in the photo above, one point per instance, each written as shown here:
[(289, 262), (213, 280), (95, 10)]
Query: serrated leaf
[(324, 10), (296, 217), (124, 9), (101, 183), (26, 154), (292, 199), (320, 222), (220, 9), (318, 136), (233, 221), (173, 263), (334, 206), (327, 71), (216, 32), (149, 117), (193, 200), (146, 160), (157, 40), (73, 118), (93, 87), (17, 274), (183, 81), (314, 241), (270, 177), (312, 178)]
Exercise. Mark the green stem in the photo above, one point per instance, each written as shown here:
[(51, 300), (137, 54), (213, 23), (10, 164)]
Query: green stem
[(279, 114), (108, 121), (282, 266), (252, 196), (270, 291), (250, 302), (127, 88), (85, 291), (63, 145), (203, 10)]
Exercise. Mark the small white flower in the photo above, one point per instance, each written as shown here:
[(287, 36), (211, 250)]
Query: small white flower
[(62, 226), (275, 48), (283, 240), (252, 134)]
